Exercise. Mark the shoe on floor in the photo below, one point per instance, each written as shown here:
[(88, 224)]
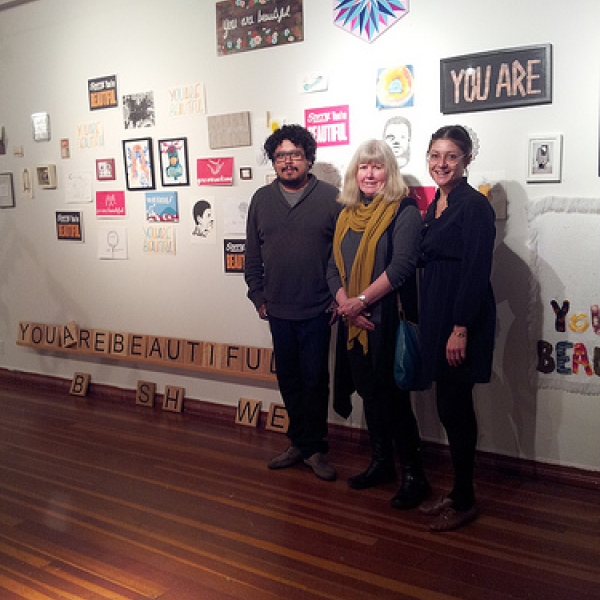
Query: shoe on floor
[(321, 467), (450, 519), (377, 472), (289, 458), (435, 507)]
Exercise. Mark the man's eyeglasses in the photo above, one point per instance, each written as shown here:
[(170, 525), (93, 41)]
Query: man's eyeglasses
[(293, 154), (450, 159)]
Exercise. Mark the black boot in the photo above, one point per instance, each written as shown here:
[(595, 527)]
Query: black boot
[(414, 488), (380, 470)]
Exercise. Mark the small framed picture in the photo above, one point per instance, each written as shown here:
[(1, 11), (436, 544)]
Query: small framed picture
[(7, 191), (46, 176), (105, 169), (174, 162), (40, 123), (245, 172), (139, 164), (545, 158)]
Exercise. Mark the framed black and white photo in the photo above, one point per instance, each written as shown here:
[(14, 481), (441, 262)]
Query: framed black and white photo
[(46, 177), (7, 191), (545, 158)]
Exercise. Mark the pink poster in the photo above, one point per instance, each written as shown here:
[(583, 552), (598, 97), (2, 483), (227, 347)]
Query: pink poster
[(330, 126), (215, 171), (110, 204)]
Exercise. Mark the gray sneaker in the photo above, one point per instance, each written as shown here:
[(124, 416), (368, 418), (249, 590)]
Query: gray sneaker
[(321, 466), (289, 458)]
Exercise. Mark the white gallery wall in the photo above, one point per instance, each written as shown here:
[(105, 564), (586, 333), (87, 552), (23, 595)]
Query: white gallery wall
[(49, 49)]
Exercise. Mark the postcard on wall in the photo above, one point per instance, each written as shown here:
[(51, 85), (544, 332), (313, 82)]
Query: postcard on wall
[(215, 171), (138, 110), (159, 239), (203, 215), (229, 131), (187, 100), (112, 242), (78, 187), (69, 225), (139, 164), (90, 135), (110, 203), (244, 26), (103, 92), (234, 254), (330, 126), (162, 206), (395, 87)]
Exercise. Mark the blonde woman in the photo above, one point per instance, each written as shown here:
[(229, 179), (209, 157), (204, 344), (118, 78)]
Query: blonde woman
[(375, 252)]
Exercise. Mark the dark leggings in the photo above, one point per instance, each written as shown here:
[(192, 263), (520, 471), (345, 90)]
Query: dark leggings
[(457, 414)]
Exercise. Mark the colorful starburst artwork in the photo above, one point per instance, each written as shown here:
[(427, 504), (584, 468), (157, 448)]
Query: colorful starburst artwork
[(368, 19)]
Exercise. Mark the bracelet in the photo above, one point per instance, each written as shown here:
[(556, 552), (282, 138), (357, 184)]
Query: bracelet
[(459, 334)]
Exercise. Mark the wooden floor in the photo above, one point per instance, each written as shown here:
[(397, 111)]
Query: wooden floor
[(125, 502)]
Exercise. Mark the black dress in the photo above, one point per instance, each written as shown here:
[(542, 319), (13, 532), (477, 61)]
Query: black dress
[(456, 252)]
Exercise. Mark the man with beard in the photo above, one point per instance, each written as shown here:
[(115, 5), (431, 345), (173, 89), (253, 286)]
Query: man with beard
[(288, 243)]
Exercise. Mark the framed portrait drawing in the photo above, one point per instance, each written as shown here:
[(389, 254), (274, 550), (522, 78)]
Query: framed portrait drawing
[(174, 168), (7, 191), (105, 169), (139, 164), (545, 158)]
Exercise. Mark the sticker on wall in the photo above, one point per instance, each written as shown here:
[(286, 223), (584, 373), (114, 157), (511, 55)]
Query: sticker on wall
[(234, 254), (159, 239), (244, 25), (313, 82), (110, 204), (186, 100), (395, 87), (69, 225), (162, 206), (102, 92), (330, 126), (215, 171), (366, 19)]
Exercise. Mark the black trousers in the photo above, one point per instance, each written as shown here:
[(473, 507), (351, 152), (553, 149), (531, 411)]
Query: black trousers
[(388, 410), (302, 362), (457, 414)]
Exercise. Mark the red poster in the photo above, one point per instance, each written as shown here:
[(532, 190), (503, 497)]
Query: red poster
[(215, 171), (110, 204)]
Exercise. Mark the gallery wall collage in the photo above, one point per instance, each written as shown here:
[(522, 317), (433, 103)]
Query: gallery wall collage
[(155, 169)]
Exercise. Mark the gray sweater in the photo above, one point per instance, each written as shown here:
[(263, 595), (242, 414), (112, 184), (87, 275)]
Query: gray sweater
[(288, 249)]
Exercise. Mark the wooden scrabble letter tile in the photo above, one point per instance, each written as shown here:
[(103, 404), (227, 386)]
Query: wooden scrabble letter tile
[(174, 350), (69, 335), (173, 399), (137, 345), (232, 357), (119, 344), (248, 412), (24, 333), (192, 354), (100, 341), (80, 384), (212, 353), (145, 392), (278, 418)]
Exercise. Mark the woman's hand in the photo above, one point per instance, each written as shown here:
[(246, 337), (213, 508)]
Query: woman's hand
[(351, 308), (456, 347), (361, 321)]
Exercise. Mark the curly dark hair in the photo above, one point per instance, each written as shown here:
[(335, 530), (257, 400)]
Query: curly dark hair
[(455, 133), (298, 135)]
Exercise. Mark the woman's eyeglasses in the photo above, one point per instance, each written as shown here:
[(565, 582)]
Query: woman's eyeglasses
[(450, 159)]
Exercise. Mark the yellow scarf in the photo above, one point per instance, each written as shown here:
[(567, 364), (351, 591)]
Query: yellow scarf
[(372, 220)]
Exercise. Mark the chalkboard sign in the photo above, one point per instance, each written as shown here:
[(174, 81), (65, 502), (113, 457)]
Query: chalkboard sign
[(498, 79)]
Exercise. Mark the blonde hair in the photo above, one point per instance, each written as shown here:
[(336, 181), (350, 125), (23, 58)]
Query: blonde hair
[(373, 152)]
